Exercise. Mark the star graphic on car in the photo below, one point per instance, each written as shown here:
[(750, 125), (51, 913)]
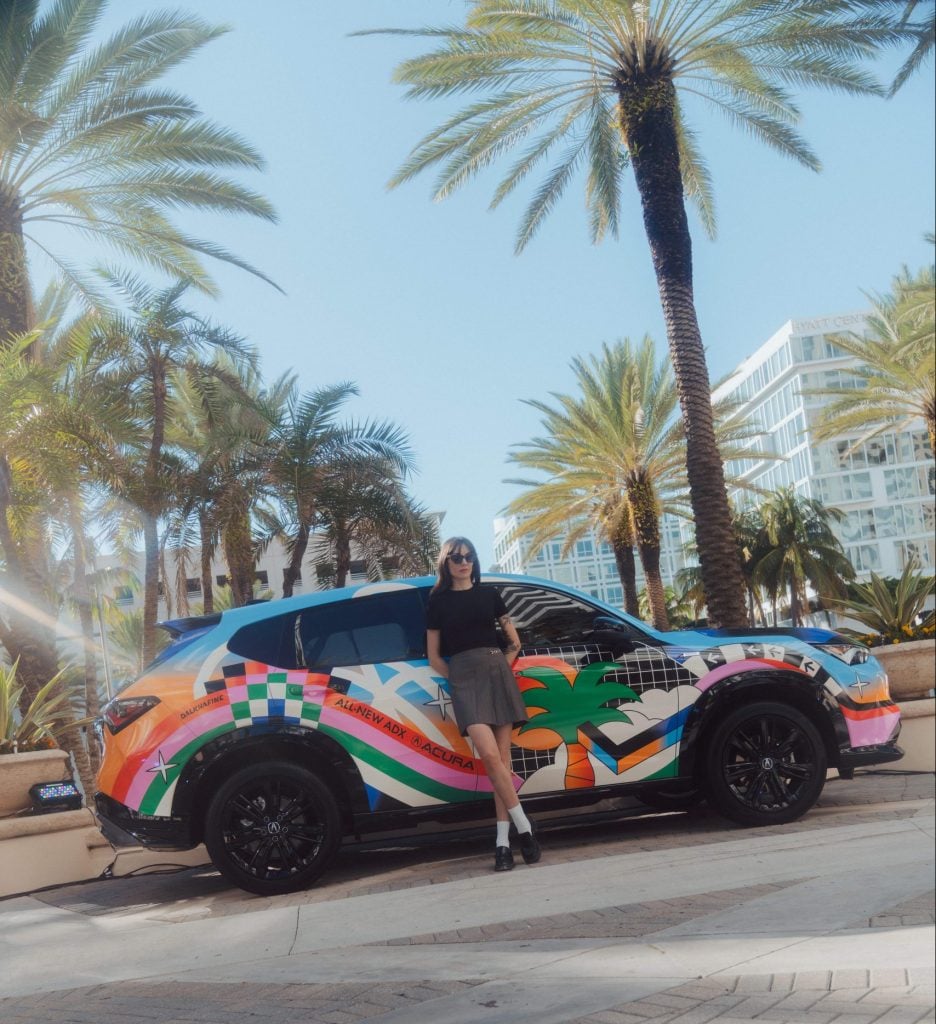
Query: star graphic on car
[(443, 702), (161, 766)]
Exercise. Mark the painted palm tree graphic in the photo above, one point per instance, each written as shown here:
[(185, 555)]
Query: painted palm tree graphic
[(562, 703)]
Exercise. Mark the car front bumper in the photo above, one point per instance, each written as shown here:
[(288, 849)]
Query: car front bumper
[(125, 827)]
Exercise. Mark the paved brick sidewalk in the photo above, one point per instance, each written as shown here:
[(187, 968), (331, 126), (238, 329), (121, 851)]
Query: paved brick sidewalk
[(814, 997), (360, 871)]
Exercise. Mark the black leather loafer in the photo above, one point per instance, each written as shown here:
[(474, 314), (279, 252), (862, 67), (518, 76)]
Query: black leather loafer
[(503, 859), (529, 846)]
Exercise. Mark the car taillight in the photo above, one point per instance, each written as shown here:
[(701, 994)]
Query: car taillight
[(121, 711)]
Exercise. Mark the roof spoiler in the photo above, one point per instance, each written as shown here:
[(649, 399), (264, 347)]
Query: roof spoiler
[(179, 627)]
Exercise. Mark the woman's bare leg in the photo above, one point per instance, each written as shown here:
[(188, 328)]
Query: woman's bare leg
[(493, 747)]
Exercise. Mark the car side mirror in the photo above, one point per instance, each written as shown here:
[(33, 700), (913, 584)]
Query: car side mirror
[(613, 633)]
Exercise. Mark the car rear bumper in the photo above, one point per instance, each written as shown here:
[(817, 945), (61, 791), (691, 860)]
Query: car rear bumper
[(124, 827)]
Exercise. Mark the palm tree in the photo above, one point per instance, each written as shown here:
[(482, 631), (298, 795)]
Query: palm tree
[(226, 450), (89, 142), (368, 508), (897, 366), (310, 448), (602, 78), (140, 357), (619, 436), (560, 704), (802, 549), (924, 45), (617, 444)]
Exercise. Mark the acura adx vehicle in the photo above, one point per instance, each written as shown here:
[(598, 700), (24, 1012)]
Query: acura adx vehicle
[(273, 731)]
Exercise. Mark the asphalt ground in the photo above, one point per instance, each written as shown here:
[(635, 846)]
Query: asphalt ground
[(667, 917)]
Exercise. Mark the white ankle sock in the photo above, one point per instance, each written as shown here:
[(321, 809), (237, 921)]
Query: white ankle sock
[(520, 819), (503, 833)]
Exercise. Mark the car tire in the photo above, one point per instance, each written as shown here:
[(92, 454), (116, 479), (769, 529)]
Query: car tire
[(765, 764), (272, 828)]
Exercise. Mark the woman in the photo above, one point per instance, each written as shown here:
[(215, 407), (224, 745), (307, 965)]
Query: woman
[(487, 703)]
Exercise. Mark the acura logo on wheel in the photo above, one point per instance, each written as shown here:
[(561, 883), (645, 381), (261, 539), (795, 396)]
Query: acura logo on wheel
[(273, 827), (767, 763)]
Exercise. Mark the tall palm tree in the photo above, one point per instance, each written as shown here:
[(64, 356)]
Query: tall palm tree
[(802, 548), (226, 451), (601, 80), (90, 142), (618, 436), (139, 358), (897, 366), (310, 448)]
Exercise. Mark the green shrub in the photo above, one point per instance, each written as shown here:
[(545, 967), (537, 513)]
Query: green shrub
[(893, 614), (44, 720)]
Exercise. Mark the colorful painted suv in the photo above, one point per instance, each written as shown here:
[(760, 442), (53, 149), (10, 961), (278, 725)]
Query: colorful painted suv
[(271, 732)]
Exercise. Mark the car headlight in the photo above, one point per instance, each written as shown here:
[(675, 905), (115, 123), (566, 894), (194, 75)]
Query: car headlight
[(851, 654)]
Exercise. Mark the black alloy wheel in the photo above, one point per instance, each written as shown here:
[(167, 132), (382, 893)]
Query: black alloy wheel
[(765, 764), (272, 828)]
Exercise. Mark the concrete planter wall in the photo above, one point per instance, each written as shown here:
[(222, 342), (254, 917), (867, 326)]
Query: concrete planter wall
[(910, 667), (20, 771)]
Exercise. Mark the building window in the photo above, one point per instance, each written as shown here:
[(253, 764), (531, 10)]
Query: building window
[(192, 585), (123, 595), (262, 580), (222, 580), (864, 557), (584, 548), (924, 551)]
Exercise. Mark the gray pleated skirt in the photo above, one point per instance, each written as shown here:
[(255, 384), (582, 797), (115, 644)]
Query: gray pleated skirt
[(484, 690)]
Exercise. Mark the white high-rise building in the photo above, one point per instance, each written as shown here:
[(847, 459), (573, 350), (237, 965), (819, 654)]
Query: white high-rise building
[(590, 564), (885, 486)]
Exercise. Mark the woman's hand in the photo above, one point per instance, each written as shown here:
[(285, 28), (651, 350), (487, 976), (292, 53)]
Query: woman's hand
[(433, 650)]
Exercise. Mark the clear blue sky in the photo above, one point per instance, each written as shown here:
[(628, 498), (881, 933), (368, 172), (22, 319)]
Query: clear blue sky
[(425, 306)]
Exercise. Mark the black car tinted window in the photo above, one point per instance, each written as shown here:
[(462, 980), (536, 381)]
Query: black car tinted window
[(362, 631), (547, 618), (268, 641)]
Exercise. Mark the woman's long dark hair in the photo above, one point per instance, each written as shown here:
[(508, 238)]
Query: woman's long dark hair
[(444, 574)]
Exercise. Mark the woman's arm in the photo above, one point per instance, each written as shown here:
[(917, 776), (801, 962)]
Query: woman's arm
[(433, 649), (513, 639)]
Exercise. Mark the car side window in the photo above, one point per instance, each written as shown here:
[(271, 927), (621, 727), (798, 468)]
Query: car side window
[(362, 631), (547, 618), (268, 641)]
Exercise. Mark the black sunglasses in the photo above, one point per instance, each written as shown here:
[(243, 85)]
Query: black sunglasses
[(458, 559)]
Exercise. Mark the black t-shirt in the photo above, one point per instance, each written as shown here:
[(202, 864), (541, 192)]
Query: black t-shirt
[(465, 618)]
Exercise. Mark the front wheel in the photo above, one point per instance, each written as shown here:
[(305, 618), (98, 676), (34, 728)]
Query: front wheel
[(765, 764), (272, 828)]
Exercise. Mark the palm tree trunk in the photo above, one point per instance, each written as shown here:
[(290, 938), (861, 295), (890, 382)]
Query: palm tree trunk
[(239, 552), (14, 275), (579, 773), (647, 110), (627, 571), (207, 583), (293, 571), (342, 559), (646, 521)]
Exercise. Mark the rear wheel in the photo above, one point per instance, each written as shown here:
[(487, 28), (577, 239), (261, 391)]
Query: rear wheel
[(765, 764), (272, 828)]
